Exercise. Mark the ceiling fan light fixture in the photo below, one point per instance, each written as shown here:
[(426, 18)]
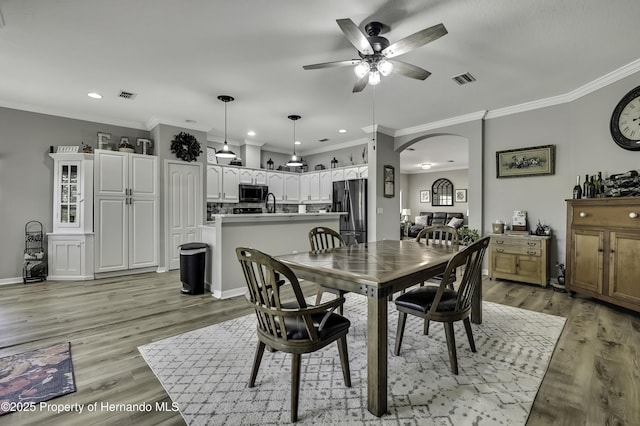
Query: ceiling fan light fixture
[(374, 78), (295, 161), (361, 69), (226, 152), (385, 67)]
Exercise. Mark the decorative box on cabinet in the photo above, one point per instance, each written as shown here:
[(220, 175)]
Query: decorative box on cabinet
[(522, 258), (70, 245), (126, 211), (603, 247)]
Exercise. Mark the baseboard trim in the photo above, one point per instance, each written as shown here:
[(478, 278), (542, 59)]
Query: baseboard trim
[(14, 280), (126, 272)]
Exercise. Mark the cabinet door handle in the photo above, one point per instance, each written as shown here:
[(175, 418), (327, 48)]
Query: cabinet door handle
[(601, 250), (633, 215), (531, 244), (531, 252), (499, 242), (583, 214), (500, 250)]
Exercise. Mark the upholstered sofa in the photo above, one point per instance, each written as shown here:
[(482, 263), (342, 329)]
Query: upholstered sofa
[(433, 218)]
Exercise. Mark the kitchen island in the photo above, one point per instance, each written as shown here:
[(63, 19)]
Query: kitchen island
[(272, 233)]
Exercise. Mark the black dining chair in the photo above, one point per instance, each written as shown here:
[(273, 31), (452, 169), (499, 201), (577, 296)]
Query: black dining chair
[(290, 327), (440, 234), (442, 304), (323, 238)]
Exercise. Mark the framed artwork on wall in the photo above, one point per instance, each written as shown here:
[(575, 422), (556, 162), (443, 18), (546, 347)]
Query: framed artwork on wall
[(537, 160), (461, 195), (425, 196), (388, 176)]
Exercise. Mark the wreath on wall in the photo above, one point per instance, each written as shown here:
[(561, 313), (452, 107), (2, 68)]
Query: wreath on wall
[(185, 146)]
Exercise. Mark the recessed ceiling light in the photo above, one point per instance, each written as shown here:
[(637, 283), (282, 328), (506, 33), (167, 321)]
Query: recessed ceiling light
[(251, 133), (94, 95), (342, 131), (425, 166), (297, 142)]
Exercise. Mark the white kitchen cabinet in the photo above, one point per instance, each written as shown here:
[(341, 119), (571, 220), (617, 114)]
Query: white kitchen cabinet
[(222, 184), (230, 182), (337, 174), (70, 245), (252, 176), (356, 172), (326, 187), (70, 256), (275, 181), (126, 211), (310, 187), (214, 183), (291, 188)]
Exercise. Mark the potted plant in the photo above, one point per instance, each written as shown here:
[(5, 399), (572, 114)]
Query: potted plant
[(468, 236)]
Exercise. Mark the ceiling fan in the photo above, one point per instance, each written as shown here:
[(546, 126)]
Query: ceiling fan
[(376, 52)]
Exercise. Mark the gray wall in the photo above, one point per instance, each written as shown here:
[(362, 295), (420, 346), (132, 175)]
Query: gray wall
[(422, 181), (26, 172)]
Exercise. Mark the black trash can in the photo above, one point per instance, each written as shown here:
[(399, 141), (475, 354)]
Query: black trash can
[(193, 258)]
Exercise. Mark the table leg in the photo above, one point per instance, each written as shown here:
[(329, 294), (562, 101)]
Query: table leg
[(476, 302), (377, 354)]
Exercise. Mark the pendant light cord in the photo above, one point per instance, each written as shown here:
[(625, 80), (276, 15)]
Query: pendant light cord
[(225, 122)]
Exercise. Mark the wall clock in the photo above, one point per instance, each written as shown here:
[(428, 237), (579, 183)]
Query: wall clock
[(625, 121), (185, 146)]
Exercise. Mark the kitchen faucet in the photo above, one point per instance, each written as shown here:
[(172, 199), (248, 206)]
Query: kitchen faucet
[(270, 209)]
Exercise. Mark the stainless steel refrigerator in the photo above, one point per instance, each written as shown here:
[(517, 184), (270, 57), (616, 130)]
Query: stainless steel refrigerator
[(351, 196)]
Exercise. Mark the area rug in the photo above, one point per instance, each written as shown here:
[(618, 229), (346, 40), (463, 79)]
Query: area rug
[(206, 372), (35, 376)]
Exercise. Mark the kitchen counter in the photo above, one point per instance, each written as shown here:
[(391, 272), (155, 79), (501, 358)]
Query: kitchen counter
[(271, 217), (271, 233)]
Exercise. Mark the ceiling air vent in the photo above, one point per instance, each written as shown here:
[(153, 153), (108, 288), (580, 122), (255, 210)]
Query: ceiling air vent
[(463, 78), (127, 95), (323, 140)]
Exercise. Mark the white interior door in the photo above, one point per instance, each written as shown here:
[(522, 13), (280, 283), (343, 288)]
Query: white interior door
[(184, 200)]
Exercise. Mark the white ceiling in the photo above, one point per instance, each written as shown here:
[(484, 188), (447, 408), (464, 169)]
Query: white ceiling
[(178, 56)]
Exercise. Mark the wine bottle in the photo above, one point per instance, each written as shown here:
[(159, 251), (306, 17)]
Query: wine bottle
[(585, 187), (592, 187), (598, 183), (577, 189)]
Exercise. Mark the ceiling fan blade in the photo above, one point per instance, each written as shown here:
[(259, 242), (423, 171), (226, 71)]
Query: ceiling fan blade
[(346, 63), (409, 70), (355, 36), (414, 40), (361, 83)]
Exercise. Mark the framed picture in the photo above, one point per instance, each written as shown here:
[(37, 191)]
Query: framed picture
[(461, 195), (425, 196), (537, 160), (388, 176)]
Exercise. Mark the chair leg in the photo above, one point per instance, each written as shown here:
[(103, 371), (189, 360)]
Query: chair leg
[(426, 327), (319, 295), (451, 346), (467, 327), (295, 386), (402, 319), (256, 364), (341, 307), (344, 360)]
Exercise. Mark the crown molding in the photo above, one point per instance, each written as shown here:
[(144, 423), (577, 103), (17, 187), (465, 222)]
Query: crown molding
[(252, 143), (479, 115), (335, 146), (592, 86), (380, 129)]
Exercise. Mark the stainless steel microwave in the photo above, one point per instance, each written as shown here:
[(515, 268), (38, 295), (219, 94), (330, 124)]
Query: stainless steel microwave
[(253, 193)]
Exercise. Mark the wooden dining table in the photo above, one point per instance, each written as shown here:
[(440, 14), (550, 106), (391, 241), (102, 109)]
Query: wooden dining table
[(376, 270)]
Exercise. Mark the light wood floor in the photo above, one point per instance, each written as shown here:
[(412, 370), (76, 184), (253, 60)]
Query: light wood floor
[(593, 378)]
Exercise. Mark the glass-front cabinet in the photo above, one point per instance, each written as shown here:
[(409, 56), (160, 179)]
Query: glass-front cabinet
[(70, 245)]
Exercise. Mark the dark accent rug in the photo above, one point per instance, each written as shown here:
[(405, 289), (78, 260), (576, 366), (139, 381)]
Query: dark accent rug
[(206, 372), (35, 376)]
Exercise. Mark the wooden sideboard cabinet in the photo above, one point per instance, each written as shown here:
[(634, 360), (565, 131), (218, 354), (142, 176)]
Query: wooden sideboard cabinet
[(522, 258), (603, 248)]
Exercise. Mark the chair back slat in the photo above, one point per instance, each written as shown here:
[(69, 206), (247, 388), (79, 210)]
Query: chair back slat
[(322, 238), (265, 278), (438, 234)]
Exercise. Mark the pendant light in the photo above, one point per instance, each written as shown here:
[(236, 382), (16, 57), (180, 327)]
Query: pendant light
[(295, 161), (225, 153)]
